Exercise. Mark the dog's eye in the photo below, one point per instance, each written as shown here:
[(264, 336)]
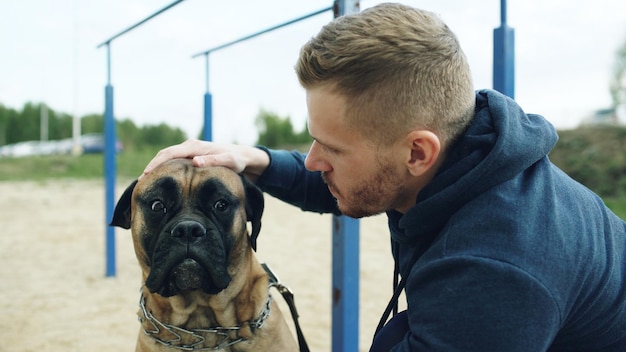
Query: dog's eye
[(158, 207), (220, 205)]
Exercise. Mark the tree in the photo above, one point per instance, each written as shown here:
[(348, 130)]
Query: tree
[(25, 125), (618, 84), (275, 131), (6, 116), (161, 135), (127, 133), (59, 125), (92, 123)]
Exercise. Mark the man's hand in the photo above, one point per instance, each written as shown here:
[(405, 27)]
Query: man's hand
[(246, 160)]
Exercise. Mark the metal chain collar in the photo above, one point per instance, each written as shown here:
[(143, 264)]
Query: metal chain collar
[(198, 335)]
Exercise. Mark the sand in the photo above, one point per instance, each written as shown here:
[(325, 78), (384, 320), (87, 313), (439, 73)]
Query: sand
[(54, 295)]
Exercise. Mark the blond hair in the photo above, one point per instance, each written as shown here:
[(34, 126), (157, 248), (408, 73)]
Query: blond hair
[(398, 67)]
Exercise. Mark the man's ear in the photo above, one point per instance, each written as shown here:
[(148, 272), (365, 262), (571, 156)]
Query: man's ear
[(425, 148), (121, 215), (255, 203)]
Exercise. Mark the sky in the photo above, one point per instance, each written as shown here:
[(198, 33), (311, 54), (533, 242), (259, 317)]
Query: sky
[(564, 54)]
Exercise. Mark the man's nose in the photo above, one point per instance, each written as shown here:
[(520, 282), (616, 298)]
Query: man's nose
[(314, 160)]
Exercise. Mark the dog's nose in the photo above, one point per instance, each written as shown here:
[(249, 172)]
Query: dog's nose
[(189, 229)]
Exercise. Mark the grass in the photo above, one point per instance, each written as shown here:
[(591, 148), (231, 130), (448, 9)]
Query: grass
[(129, 164)]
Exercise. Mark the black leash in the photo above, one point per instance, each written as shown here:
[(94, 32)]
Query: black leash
[(289, 298), (392, 306)]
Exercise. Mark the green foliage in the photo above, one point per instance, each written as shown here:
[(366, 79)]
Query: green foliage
[(276, 131), (595, 157), (7, 116), (93, 123), (25, 125), (160, 135), (130, 164)]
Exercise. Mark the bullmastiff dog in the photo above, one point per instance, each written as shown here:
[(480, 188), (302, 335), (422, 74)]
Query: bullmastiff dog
[(202, 285)]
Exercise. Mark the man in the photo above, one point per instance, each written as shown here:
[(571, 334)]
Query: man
[(497, 248)]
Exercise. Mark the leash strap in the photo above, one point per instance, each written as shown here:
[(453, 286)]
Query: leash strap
[(289, 298), (392, 306)]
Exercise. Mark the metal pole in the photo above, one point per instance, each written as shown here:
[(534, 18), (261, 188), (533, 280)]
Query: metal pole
[(207, 131), (76, 123), (504, 55), (345, 281), (248, 37), (108, 41), (109, 168)]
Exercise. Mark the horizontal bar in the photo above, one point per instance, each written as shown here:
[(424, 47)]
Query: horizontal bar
[(219, 47), (106, 42)]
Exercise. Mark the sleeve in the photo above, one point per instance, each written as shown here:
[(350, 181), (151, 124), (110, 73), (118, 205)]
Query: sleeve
[(478, 304), (287, 179)]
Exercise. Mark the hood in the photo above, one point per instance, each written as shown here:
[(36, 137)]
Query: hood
[(501, 142)]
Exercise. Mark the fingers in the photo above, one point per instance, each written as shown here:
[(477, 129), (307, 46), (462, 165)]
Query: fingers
[(228, 159), (187, 149), (202, 153)]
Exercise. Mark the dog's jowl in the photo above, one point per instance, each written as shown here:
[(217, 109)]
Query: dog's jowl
[(202, 286)]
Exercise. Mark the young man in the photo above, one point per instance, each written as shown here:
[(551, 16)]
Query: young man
[(497, 248)]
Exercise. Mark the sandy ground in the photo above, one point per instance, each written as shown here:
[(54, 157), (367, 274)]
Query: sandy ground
[(54, 295)]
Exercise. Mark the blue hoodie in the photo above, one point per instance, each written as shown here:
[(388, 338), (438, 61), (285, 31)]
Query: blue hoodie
[(502, 250)]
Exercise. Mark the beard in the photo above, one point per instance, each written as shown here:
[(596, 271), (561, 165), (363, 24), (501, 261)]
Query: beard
[(369, 196)]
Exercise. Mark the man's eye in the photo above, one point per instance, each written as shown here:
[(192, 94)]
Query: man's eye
[(158, 207), (330, 150), (220, 205)]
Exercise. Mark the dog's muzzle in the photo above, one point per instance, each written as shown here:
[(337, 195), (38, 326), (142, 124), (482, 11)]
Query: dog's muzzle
[(188, 257)]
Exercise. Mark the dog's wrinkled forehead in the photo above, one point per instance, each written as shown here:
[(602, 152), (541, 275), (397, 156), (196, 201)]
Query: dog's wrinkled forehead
[(177, 172)]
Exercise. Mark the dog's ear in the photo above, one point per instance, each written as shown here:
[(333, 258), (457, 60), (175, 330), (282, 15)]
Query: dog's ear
[(121, 215), (255, 204)]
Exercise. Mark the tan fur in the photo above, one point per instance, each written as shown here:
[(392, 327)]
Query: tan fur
[(241, 301)]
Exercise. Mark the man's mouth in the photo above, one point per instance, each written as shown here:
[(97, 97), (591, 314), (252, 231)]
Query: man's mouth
[(330, 185), (332, 191)]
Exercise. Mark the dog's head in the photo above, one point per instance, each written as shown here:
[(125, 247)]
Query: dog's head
[(189, 225)]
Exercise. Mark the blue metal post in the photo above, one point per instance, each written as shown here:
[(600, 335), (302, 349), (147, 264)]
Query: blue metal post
[(345, 281), (504, 56), (109, 169), (207, 131), (345, 284)]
